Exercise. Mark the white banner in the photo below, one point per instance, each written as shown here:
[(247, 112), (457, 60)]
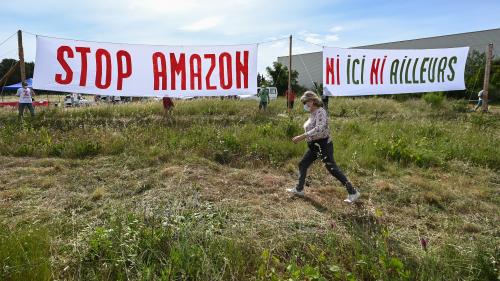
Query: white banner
[(144, 70), (358, 72)]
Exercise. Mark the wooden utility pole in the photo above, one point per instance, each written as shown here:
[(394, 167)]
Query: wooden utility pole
[(289, 73), (21, 55), (489, 55)]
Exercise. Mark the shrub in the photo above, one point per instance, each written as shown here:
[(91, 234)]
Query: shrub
[(460, 106), (24, 150), (86, 148), (435, 99)]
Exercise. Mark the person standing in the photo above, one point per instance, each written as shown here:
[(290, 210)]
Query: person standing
[(320, 145), (480, 100), (168, 104), (25, 95), (290, 99), (264, 98)]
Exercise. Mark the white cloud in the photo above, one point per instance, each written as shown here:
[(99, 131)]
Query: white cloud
[(203, 24), (279, 44), (336, 29), (332, 37), (316, 38)]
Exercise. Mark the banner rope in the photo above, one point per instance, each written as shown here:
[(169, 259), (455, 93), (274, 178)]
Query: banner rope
[(272, 41), (92, 41), (305, 41), (4, 41)]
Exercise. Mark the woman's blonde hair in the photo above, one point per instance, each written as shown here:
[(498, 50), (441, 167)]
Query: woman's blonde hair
[(311, 96)]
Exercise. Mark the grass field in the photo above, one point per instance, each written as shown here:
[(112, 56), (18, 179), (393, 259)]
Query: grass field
[(125, 193)]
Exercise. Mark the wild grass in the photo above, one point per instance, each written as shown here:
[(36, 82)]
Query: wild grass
[(126, 193), (233, 132)]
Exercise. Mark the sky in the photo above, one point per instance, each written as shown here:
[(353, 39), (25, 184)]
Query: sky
[(312, 23)]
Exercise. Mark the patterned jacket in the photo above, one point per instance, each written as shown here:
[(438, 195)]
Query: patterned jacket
[(316, 127)]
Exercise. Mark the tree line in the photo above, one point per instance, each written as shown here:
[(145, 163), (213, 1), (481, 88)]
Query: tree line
[(15, 77)]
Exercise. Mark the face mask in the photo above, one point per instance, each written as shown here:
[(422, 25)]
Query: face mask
[(307, 108)]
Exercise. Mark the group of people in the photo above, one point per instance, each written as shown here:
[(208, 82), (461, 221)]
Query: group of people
[(316, 133), (265, 99), (289, 96)]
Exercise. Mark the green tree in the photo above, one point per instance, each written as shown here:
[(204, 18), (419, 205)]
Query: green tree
[(278, 73), (318, 88), (474, 76), (6, 64), (261, 80), (474, 71)]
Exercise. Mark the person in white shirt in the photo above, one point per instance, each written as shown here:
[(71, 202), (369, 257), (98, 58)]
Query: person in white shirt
[(479, 100), (25, 95)]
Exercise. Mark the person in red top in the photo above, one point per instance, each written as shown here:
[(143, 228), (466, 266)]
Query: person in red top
[(167, 104), (290, 99)]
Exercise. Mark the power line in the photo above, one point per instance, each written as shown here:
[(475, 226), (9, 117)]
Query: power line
[(273, 40), (8, 38), (308, 42), (30, 33)]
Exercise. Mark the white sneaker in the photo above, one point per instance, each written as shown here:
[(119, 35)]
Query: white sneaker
[(351, 198), (296, 192)]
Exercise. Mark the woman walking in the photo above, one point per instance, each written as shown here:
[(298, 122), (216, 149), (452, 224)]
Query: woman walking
[(317, 135)]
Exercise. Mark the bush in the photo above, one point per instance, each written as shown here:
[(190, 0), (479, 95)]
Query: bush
[(86, 148), (402, 150), (435, 99), (460, 106), (24, 150)]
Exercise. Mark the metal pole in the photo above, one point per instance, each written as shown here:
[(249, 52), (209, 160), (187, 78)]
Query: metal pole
[(489, 54)]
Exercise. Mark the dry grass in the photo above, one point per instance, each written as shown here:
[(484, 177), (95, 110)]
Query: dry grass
[(257, 197), (98, 193)]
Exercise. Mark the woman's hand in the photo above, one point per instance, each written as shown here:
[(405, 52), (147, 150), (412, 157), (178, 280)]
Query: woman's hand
[(299, 138)]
